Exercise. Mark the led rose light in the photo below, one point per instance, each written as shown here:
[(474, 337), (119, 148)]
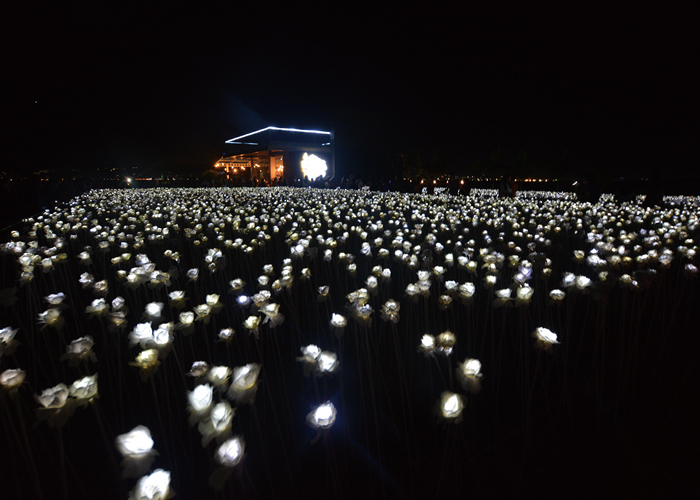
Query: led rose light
[(237, 286), (198, 369), (427, 345), (582, 282), (136, 442), (142, 334), (219, 375), (97, 307), (11, 380), (8, 343), (523, 295), (323, 416), (252, 323), (244, 385), (272, 314), (186, 324), (469, 375), (52, 317), (218, 423), (84, 389), (55, 397), (153, 311), (177, 299), (451, 406), (203, 312), (231, 452), (153, 487), (556, 296), (212, 300), (200, 402), (309, 358), (390, 311), (446, 342), (327, 362), (147, 362), (545, 338)]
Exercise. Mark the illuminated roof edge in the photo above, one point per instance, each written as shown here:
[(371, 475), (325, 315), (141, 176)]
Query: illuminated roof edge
[(232, 141)]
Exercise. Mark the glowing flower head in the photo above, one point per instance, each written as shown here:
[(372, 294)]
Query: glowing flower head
[(390, 311), (10, 380), (84, 389), (469, 375), (80, 350), (226, 334), (147, 362), (237, 286), (231, 452), (55, 397), (244, 384), (557, 295), (252, 323), (309, 358), (200, 402), (199, 369), (427, 344), (446, 342), (338, 321), (523, 295), (52, 317), (142, 334), (218, 375), (153, 487), (8, 344), (323, 416), (136, 442), (451, 406), (326, 362), (545, 338)]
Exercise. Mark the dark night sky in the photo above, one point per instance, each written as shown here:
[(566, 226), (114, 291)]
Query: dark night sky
[(165, 87)]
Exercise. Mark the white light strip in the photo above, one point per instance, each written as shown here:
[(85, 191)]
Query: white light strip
[(231, 141)]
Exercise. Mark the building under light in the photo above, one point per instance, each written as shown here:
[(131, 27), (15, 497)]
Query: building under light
[(279, 152)]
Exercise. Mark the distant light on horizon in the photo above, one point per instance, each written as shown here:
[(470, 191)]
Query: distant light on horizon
[(312, 166)]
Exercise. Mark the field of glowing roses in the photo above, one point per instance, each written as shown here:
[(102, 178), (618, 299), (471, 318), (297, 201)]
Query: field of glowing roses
[(283, 342)]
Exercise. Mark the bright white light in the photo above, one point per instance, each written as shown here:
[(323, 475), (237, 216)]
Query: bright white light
[(471, 367), (201, 398), (323, 416), (451, 405), (326, 362), (153, 487), (545, 335), (138, 441), (230, 453), (338, 321), (235, 139), (312, 351), (312, 166)]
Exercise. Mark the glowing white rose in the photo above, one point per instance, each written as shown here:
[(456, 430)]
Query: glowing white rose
[(153, 487), (323, 416)]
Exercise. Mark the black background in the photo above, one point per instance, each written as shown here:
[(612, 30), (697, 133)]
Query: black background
[(161, 87)]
